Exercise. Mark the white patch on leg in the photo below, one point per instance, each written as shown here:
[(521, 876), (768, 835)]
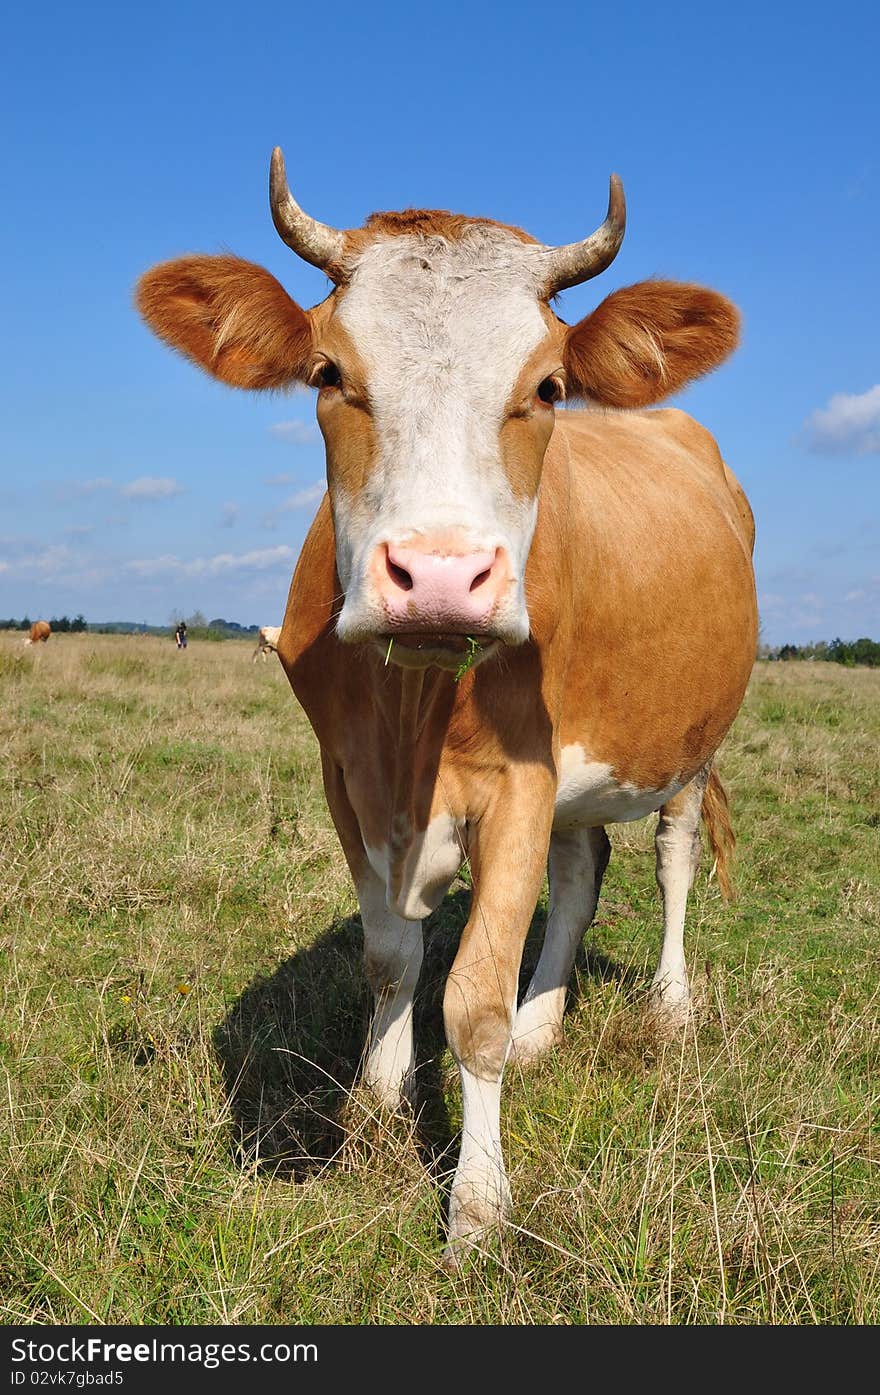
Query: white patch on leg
[(417, 871), (574, 866), (588, 795), (393, 957), (677, 847), (480, 1196)]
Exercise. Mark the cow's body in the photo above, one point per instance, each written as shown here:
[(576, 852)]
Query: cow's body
[(40, 632), (509, 626), (642, 645), (267, 642), (654, 598)]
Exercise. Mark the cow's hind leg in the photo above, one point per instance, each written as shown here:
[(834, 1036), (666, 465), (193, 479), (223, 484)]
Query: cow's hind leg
[(677, 844), (576, 866)]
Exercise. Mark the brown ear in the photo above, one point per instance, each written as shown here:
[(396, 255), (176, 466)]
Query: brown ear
[(230, 317), (647, 341)]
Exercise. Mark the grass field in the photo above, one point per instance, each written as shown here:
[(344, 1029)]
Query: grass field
[(183, 1013)]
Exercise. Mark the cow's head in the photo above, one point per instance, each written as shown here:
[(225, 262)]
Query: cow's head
[(438, 363)]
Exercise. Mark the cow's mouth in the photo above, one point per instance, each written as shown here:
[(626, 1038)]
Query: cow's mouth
[(423, 649)]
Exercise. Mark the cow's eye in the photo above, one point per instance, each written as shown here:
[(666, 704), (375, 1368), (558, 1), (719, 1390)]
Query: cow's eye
[(551, 390), (326, 375)]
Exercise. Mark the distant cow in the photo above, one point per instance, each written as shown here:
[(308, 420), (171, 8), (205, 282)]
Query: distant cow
[(509, 625), (267, 641), (40, 632)]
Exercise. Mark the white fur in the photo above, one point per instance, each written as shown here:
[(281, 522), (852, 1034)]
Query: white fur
[(394, 944), (480, 1195), (678, 849), (417, 869), (443, 329), (574, 865), (588, 795), (267, 641)]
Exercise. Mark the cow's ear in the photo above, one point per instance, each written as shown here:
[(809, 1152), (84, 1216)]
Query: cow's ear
[(230, 317), (647, 341)]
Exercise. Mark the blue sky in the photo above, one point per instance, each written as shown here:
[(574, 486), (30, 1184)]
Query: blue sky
[(747, 140)]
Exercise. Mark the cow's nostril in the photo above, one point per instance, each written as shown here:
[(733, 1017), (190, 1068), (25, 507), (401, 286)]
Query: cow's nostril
[(480, 578), (399, 575)]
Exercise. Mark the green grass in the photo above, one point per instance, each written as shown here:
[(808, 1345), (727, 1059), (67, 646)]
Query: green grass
[(183, 1013)]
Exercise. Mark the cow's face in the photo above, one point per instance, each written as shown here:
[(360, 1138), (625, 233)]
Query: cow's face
[(437, 363), (437, 366)]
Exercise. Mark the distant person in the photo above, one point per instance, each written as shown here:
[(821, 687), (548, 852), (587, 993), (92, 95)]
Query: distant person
[(180, 635)]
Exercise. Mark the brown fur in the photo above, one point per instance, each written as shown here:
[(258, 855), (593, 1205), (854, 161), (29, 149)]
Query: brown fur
[(434, 222), (230, 317), (642, 608), (716, 816), (647, 341), (40, 632)]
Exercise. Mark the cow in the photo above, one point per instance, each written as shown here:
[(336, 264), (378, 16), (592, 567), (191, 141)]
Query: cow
[(510, 625), (40, 632), (267, 642)]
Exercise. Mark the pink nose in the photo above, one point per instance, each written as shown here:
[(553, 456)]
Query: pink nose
[(430, 585)]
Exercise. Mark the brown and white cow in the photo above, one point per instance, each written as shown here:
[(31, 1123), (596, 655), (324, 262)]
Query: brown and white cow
[(267, 642), (595, 565), (40, 632)]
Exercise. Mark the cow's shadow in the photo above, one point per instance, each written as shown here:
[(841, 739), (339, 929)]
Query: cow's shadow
[(291, 1045)]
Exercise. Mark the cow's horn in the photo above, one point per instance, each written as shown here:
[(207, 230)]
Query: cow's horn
[(313, 241), (578, 261)]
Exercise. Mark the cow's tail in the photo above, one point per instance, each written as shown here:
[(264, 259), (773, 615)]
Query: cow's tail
[(716, 816)]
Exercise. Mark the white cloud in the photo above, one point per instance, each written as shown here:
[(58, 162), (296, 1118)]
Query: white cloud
[(221, 564), (300, 499), (303, 433), (857, 595), (771, 600), (54, 564), (303, 497), (151, 487), (84, 489), (145, 487), (79, 530), (229, 515), (850, 424), (46, 561)]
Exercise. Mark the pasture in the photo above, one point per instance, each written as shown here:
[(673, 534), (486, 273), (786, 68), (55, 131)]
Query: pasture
[(183, 1011)]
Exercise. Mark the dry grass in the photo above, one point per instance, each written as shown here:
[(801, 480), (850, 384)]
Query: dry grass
[(183, 1014)]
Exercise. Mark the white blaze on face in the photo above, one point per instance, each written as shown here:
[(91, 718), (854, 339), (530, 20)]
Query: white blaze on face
[(443, 329)]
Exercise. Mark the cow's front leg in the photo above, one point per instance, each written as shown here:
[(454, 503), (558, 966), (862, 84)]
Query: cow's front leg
[(508, 847), (392, 956), (392, 960), (677, 844)]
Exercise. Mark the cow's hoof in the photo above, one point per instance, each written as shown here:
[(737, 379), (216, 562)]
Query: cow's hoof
[(531, 1044), (392, 1097), (478, 1207), (668, 1015)]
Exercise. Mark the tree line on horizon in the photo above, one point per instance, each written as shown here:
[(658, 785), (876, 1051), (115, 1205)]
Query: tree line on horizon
[(851, 653), (198, 627), (64, 625)]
